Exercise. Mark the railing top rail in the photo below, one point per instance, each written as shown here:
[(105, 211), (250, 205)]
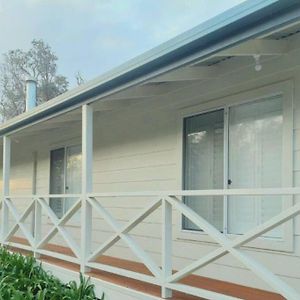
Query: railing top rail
[(43, 196), (18, 196), (214, 192), (58, 196)]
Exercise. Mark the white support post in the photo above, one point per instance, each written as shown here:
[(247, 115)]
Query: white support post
[(34, 174), (37, 226), (5, 188), (87, 184), (166, 247)]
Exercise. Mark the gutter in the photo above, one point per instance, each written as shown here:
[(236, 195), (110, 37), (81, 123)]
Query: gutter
[(245, 21)]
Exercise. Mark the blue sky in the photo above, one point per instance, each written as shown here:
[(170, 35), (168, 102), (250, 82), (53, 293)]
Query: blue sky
[(93, 36)]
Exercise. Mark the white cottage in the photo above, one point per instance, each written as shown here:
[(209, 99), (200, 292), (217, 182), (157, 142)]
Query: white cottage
[(175, 175)]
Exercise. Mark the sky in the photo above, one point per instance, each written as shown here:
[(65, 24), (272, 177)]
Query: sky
[(93, 36)]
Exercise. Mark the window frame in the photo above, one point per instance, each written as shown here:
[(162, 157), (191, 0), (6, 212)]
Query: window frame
[(285, 89)]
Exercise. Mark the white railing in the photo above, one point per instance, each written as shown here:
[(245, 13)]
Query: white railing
[(167, 201)]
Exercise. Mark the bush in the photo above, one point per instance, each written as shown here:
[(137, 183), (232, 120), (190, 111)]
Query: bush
[(22, 278)]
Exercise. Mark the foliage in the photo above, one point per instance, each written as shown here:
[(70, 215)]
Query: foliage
[(39, 62), (21, 277)]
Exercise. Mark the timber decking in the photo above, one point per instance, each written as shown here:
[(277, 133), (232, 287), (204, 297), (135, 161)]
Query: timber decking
[(223, 287)]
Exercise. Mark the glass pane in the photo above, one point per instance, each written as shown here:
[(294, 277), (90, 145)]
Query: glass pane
[(255, 161), (203, 150), (57, 180), (73, 175)]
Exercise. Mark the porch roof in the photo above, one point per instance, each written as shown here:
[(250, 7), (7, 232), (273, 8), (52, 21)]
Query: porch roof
[(246, 21)]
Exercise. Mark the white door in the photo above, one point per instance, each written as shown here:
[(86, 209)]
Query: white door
[(57, 180), (73, 174), (65, 177), (204, 136), (255, 141)]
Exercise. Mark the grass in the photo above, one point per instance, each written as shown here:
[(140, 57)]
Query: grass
[(22, 278)]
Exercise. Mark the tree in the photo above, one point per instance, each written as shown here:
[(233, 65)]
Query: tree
[(38, 62)]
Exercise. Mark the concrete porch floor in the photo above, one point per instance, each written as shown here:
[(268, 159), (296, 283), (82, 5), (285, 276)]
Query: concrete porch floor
[(226, 288)]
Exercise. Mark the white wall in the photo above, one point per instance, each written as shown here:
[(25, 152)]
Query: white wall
[(136, 149)]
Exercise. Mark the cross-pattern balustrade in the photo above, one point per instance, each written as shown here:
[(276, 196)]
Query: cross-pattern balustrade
[(161, 275)]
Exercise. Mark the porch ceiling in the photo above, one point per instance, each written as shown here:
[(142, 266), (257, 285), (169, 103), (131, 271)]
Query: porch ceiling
[(206, 70), (69, 120)]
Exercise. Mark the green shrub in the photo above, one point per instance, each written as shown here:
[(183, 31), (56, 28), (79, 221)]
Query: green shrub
[(21, 277)]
